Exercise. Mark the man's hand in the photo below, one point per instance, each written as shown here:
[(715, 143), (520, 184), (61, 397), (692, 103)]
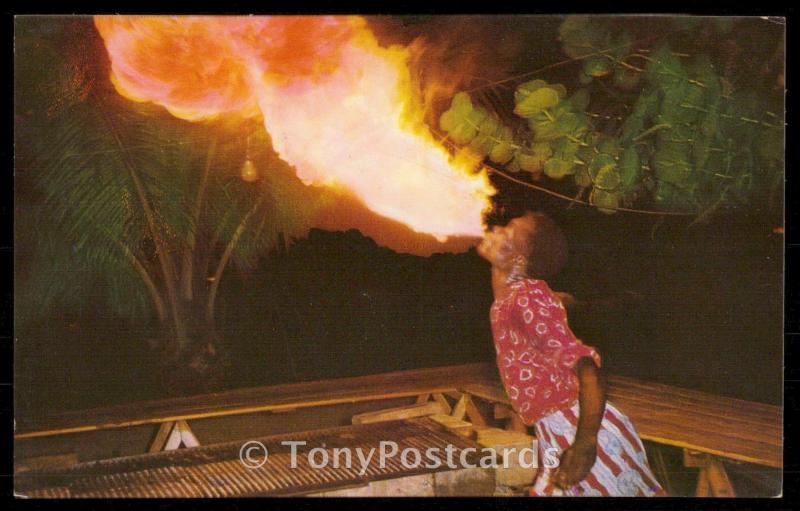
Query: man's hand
[(578, 459), (575, 464)]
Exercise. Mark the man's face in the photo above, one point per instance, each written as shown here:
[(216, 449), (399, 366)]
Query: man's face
[(501, 243)]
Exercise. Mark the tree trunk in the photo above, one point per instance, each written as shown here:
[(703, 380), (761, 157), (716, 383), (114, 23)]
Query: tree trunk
[(200, 366)]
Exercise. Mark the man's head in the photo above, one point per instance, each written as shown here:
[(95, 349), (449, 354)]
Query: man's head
[(532, 239)]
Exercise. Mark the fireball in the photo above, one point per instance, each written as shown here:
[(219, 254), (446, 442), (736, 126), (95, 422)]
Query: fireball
[(341, 109)]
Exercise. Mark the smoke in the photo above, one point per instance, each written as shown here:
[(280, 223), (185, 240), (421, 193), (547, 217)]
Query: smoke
[(455, 53)]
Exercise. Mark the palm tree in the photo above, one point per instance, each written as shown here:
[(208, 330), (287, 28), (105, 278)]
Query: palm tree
[(128, 200)]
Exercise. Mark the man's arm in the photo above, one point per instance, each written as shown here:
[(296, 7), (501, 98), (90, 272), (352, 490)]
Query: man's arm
[(578, 459)]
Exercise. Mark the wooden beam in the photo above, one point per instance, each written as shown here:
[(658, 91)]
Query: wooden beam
[(160, 440), (694, 459), (398, 413), (493, 393), (457, 426), (171, 435), (274, 398), (502, 411), (718, 479), (733, 429), (439, 398), (712, 480), (473, 413), (460, 410), (703, 488), (187, 435), (716, 425)]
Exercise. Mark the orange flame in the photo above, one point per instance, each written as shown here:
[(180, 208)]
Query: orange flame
[(339, 107)]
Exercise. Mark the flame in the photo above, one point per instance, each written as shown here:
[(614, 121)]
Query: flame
[(339, 107)]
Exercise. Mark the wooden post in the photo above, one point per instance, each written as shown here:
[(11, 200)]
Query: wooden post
[(502, 411), (171, 435), (712, 479), (187, 435), (164, 431), (460, 409), (514, 422), (439, 398), (718, 479), (703, 489), (473, 413)]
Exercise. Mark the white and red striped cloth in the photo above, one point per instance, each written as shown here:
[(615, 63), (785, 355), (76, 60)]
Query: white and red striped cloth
[(620, 469)]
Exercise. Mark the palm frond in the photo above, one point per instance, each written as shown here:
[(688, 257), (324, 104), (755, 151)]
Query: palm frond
[(88, 155), (71, 158)]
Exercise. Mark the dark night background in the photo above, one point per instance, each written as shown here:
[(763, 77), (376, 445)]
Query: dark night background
[(696, 306)]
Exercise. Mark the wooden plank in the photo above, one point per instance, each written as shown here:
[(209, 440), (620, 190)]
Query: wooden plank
[(457, 426), (675, 433), (718, 425), (673, 392), (490, 392), (692, 420), (697, 422), (772, 416), (400, 412), (492, 437), (733, 413), (259, 399), (736, 410)]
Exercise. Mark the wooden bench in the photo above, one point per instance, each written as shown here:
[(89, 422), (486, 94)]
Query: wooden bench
[(275, 398), (716, 425), (707, 427)]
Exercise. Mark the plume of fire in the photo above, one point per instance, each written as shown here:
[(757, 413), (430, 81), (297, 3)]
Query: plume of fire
[(339, 107)]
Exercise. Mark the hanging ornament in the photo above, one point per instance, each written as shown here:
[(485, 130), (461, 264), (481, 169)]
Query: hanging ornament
[(249, 172)]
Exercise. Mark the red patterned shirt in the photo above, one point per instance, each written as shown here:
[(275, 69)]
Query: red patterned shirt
[(536, 350)]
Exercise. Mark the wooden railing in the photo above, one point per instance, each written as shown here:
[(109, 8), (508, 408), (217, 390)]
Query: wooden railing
[(258, 399), (708, 427)]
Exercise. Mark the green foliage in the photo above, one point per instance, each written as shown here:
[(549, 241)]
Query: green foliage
[(536, 96), (685, 143), (75, 173)]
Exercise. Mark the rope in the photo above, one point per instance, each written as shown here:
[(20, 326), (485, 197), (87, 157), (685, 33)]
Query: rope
[(578, 201)]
